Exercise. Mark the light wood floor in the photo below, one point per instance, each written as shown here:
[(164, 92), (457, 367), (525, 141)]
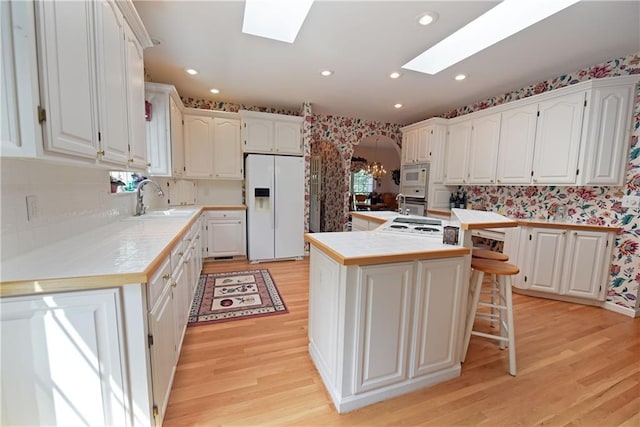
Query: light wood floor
[(577, 365)]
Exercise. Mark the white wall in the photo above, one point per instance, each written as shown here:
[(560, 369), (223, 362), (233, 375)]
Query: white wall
[(70, 200)]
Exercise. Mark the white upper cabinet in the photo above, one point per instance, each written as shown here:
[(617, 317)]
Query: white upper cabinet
[(75, 75), (437, 140), (423, 148), (9, 125), (227, 150), (112, 84), (483, 150), (457, 159), (198, 146), (557, 145), (606, 135), (164, 137), (212, 144), (271, 133), (517, 138), (135, 96), (409, 146), (68, 78)]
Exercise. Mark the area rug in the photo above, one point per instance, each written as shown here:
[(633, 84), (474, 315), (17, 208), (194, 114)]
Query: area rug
[(222, 297)]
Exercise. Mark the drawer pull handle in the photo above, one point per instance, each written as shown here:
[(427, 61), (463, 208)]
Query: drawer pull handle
[(174, 284), (180, 253), (166, 276)]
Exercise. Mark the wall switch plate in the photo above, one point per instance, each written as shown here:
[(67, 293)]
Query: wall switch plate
[(631, 202), (32, 207)]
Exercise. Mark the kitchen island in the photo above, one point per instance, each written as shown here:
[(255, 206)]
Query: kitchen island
[(387, 309)]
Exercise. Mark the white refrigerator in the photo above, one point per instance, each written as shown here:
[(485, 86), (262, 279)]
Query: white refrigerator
[(274, 188)]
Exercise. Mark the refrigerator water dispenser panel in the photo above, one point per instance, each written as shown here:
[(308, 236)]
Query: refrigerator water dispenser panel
[(261, 199)]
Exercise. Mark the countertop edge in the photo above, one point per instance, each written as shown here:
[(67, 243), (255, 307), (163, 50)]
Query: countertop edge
[(569, 226), (369, 217)]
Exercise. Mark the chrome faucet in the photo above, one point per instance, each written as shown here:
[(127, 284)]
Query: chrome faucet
[(402, 209), (140, 207)]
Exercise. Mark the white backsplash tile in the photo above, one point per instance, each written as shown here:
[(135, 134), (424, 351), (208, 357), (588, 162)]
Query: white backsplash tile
[(71, 200)]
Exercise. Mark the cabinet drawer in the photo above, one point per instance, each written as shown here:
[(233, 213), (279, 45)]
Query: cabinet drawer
[(157, 283), (177, 252), (225, 214)]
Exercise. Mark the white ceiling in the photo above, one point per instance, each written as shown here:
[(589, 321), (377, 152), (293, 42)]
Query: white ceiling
[(363, 42)]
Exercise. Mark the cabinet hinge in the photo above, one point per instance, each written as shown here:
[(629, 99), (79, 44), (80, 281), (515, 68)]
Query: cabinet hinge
[(99, 136), (599, 288), (183, 122), (184, 168), (42, 114), (525, 278), (606, 244), (149, 340), (577, 171), (156, 411), (585, 102), (529, 236), (538, 114), (206, 227), (168, 201), (531, 173)]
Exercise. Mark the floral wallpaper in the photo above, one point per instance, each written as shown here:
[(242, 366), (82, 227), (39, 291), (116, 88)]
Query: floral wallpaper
[(345, 133), (592, 205), (331, 208), (207, 104)]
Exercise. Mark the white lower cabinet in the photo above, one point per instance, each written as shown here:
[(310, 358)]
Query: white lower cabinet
[(379, 331), (567, 262), (362, 224), (383, 307), (63, 360), (226, 233), (162, 345)]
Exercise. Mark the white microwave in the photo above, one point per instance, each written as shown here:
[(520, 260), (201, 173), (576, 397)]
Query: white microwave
[(414, 175)]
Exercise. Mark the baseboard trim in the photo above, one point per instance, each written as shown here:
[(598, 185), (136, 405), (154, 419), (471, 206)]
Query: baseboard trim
[(608, 305)]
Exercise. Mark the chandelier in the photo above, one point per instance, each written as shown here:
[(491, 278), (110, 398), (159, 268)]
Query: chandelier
[(375, 168)]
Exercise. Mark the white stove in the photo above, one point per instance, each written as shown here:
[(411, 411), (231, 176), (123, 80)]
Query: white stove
[(415, 226)]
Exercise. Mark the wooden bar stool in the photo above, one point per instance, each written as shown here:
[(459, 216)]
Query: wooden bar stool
[(502, 303), (493, 290)]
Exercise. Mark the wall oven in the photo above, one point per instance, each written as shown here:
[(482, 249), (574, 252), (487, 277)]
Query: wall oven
[(414, 184)]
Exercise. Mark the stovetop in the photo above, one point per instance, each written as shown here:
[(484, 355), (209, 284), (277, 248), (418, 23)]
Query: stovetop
[(418, 226)]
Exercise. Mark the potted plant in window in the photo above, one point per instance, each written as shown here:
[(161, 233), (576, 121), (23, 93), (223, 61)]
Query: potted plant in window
[(115, 183)]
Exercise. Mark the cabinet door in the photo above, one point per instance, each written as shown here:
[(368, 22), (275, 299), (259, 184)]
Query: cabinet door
[(586, 264), (227, 151), (457, 163), (112, 85), (62, 360), (287, 138), (558, 135), (9, 127), (423, 148), (383, 304), (409, 144), (517, 142), (68, 80), (485, 136), (177, 140), (163, 351), (607, 139), (436, 326), (225, 237), (181, 290), (135, 91), (158, 137), (257, 135), (546, 259), (437, 154), (198, 146)]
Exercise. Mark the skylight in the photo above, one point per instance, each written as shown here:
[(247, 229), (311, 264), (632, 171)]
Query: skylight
[(504, 20), (275, 19)]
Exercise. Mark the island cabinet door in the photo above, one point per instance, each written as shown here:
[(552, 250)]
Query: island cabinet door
[(383, 313), (438, 315)]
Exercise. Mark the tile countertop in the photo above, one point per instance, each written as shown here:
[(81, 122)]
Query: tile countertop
[(377, 247), (119, 253)]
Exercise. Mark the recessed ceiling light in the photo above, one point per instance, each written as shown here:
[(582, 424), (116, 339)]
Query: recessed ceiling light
[(460, 77), (275, 19), (395, 75), (191, 71), (326, 73), (500, 22), (427, 18), (214, 90), (397, 106)]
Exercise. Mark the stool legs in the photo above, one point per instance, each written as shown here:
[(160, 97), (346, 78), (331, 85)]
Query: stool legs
[(476, 287), (504, 315)]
